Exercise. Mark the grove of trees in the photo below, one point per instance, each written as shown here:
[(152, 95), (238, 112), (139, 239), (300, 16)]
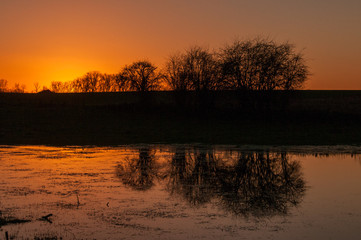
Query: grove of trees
[(262, 65), (256, 64)]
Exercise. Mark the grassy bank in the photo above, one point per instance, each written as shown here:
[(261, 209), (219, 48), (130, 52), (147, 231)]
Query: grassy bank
[(301, 118)]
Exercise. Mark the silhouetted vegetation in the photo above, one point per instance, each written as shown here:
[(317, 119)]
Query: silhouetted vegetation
[(196, 70), (3, 85), (142, 76), (90, 82), (243, 93), (18, 88), (263, 65), (256, 64), (36, 87)]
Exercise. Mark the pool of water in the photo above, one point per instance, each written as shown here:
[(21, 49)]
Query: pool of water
[(180, 192)]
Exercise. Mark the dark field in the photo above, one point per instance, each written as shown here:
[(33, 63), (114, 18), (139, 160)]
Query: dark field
[(277, 118)]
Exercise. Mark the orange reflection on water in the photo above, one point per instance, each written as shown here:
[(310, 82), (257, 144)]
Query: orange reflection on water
[(176, 191)]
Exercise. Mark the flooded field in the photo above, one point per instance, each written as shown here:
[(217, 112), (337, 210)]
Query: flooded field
[(180, 192)]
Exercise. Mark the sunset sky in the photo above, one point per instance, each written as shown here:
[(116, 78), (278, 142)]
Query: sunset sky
[(48, 40)]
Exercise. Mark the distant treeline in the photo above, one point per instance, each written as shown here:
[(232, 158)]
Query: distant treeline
[(16, 89), (256, 64)]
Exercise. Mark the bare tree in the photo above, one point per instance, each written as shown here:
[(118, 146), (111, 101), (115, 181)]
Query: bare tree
[(197, 69), (261, 64), (56, 86), (269, 63), (67, 87), (87, 83), (201, 69), (296, 72), (36, 86), (77, 85), (237, 65), (142, 76), (175, 73), (18, 88), (91, 81), (106, 83), (3, 85), (121, 82)]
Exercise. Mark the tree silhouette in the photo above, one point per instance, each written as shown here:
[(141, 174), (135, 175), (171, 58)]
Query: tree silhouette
[(18, 88), (3, 85), (256, 64), (175, 73), (36, 87), (196, 70), (142, 76), (120, 82), (261, 64), (106, 83), (61, 87), (295, 72), (56, 86), (87, 83)]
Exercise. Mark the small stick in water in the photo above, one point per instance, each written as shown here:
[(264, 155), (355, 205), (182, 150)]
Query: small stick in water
[(77, 198), (46, 218)]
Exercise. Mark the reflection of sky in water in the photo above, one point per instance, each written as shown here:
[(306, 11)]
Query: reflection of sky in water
[(179, 192)]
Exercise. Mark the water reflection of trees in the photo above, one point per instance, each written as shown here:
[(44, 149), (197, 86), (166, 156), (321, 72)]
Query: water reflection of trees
[(261, 184), (256, 183), (139, 173), (193, 175)]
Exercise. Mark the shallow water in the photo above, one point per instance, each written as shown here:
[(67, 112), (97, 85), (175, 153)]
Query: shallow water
[(181, 192)]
